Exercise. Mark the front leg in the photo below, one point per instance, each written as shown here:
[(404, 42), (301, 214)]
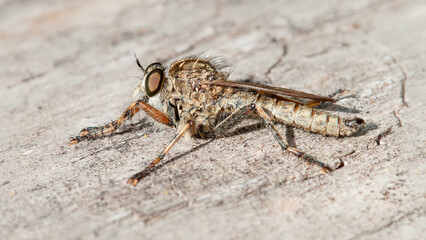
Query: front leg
[(91, 133)]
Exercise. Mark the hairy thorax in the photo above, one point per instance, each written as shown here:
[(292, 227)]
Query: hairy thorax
[(194, 101)]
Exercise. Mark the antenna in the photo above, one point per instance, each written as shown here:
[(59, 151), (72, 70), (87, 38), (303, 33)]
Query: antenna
[(139, 64)]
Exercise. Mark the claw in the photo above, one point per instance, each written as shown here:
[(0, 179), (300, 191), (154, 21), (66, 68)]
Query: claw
[(132, 181), (135, 181), (73, 141), (325, 170), (84, 132)]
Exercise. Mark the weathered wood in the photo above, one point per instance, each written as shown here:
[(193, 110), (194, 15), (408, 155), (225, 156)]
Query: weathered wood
[(69, 64)]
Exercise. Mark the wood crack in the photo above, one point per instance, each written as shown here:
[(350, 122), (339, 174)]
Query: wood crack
[(284, 48), (386, 225)]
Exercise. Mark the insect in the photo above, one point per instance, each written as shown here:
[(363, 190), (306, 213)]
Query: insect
[(194, 97)]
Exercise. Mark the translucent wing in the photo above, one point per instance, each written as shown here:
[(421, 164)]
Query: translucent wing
[(282, 93)]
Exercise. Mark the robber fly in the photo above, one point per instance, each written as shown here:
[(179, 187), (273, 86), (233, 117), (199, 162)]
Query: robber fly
[(194, 97)]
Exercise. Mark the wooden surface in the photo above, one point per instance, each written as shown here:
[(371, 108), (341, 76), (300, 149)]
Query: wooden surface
[(66, 65)]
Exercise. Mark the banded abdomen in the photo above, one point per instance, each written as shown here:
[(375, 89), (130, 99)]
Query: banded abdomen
[(292, 114), (296, 115), (309, 118)]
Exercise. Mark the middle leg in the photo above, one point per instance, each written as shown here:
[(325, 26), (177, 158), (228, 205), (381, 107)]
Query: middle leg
[(221, 129), (138, 176)]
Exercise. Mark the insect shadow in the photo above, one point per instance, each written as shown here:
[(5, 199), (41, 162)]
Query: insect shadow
[(175, 158)]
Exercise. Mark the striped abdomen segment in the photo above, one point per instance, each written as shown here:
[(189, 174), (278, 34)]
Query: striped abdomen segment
[(310, 119)]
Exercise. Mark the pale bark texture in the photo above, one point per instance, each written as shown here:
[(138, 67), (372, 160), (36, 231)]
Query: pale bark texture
[(66, 65)]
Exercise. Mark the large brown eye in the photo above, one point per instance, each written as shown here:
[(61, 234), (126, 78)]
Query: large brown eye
[(154, 79)]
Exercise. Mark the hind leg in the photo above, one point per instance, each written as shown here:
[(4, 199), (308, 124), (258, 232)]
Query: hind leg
[(285, 146)]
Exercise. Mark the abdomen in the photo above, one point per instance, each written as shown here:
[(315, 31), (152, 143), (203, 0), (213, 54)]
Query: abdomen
[(310, 119)]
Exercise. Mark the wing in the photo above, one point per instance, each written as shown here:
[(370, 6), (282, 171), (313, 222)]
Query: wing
[(278, 92)]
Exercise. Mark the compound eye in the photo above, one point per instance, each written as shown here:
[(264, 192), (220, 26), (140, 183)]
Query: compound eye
[(154, 80)]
